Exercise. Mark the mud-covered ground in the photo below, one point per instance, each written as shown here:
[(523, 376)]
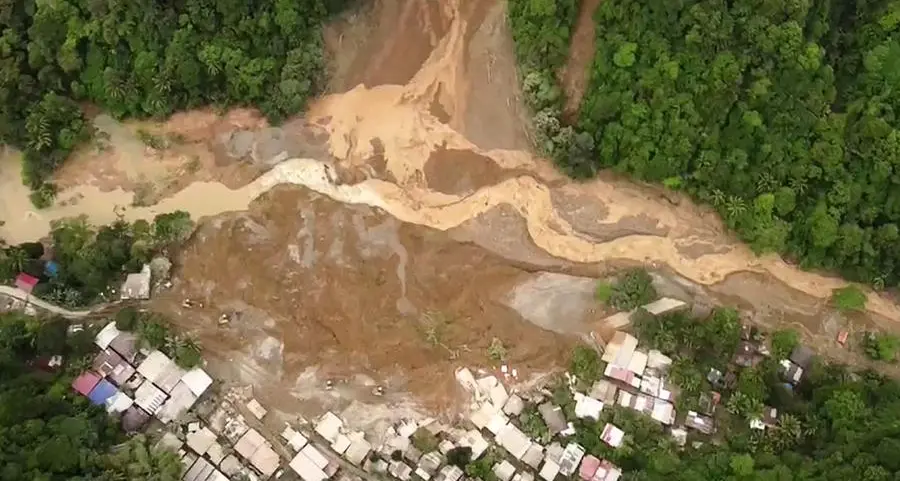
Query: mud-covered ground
[(392, 232)]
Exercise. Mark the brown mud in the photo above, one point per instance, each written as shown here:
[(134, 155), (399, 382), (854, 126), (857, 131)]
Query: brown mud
[(418, 203)]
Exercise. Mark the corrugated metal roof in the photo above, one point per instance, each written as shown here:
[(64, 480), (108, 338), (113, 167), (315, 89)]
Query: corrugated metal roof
[(149, 397), (181, 399), (307, 469), (86, 382), (102, 392), (106, 335), (154, 365), (197, 380)]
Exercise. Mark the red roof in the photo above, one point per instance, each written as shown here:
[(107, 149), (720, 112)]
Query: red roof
[(589, 465), (86, 382), (26, 282), (842, 337)]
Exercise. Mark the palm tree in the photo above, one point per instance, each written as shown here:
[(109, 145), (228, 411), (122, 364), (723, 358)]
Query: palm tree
[(718, 198), (735, 207)]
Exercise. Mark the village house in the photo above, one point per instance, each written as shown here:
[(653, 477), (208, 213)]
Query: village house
[(704, 424)]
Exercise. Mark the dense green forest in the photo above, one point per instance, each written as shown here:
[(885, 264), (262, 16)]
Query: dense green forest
[(47, 430), (782, 115), (146, 58), (89, 260), (835, 425)]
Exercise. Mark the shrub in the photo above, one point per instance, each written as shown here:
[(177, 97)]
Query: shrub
[(849, 298), (632, 290), (882, 346)]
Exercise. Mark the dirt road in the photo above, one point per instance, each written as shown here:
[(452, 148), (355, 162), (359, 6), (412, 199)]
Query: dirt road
[(413, 207)]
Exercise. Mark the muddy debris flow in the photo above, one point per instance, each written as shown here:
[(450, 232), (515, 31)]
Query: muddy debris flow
[(404, 222)]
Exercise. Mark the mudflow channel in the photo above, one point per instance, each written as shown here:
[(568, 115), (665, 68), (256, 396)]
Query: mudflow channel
[(421, 189)]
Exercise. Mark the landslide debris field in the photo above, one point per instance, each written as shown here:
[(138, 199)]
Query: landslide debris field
[(392, 233)]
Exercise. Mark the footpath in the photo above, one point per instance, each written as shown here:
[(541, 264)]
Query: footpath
[(23, 296)]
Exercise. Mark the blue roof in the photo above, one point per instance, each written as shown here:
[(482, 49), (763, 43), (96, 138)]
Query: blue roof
[(102, 392), (51, 268)]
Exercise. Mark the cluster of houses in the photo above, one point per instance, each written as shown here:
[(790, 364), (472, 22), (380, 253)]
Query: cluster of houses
[(493, 411), (223, 445), (137, 383)]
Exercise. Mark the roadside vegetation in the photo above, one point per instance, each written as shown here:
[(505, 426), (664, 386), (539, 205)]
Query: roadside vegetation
[(89, 259), (155, 332), (780, 116), (148, 59), (50, 432), (835, 425)]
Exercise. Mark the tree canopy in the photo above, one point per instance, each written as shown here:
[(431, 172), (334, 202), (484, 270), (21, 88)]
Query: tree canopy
[(144, 58), (47, 430), (90, 259), (781, 115)]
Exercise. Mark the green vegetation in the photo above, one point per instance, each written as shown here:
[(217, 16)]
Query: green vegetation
[(91, 259), (49, 432), (631, 290), (782, 116), (148, 59), (424, 440), (542, 29), (155, 332), (882, 346), (835, 425), (497, 351), (849, 298), (783, 342), (586, 366), (533, 424), (482, 468)]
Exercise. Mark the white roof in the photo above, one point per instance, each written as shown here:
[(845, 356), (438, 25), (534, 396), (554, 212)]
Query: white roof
[(514, 405), (664, 305), (315, 456), (256, 409), (534, 455), (266, 460), (514, 441), (200, 441), (549, 471), (638, 363), (294, 438), (106, 335), (663, 412), (570, 459), (504, 470), (340, 444), (482, 416), (358, 450), (620, 349), (137, 285), (497, 423), (307, 469), (249, 443), (119, 402), (658, 360), (523, 476), (329, 426), (612, 435), (181, 399), (157, 367), (149, 397), (197, 380), (587, 407), (476, 442)]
